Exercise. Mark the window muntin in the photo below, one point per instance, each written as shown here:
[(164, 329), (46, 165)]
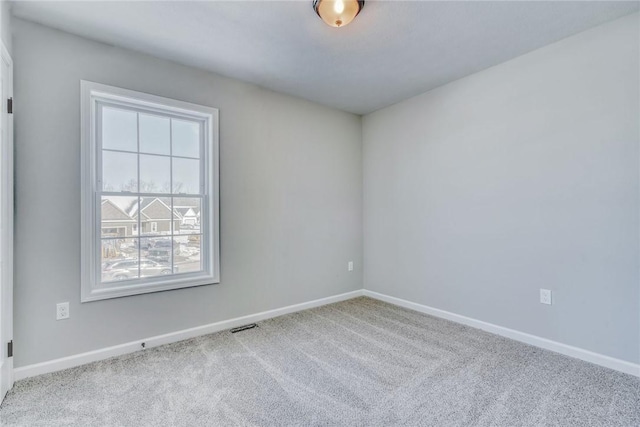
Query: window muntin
[(154, 179)]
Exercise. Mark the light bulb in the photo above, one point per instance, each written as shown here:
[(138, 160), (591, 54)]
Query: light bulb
[(337, 13)]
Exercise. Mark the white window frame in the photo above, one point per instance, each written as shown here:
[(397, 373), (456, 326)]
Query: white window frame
[(91, 288)]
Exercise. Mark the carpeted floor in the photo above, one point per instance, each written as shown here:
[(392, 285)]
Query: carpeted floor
[(357, 363)]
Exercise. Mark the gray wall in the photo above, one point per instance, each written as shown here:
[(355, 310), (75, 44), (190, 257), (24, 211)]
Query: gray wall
[(520, 177), (291, 198), (5, 24)]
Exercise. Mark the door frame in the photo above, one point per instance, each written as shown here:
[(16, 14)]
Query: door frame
[(6, 223)]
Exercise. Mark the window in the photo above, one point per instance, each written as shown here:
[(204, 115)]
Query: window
[(149, 167)]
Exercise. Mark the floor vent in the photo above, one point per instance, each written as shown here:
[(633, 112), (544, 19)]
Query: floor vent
[(243, 328)]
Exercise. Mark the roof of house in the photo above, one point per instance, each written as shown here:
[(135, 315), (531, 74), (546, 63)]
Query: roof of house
[(112, 212), (186, 210), (156, 207)]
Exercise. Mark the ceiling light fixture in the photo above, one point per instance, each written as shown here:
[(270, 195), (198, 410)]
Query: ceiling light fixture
[(337, 13)]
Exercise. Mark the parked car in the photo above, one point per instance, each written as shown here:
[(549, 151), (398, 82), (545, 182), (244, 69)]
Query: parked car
[(161, 255), (163, 243), (160, 250), (127, 269)]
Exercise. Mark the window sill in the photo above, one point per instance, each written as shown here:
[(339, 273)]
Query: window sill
[(134, 287)]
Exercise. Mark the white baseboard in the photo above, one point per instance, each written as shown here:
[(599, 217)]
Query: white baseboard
[(567, 350), (130, 347)]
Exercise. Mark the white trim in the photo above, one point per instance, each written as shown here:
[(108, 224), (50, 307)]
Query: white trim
[(7, 234), (567, 350), (131, 347)]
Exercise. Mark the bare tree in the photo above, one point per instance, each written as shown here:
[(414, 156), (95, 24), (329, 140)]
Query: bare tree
[(147, 187), (131, 186), (177, 187)]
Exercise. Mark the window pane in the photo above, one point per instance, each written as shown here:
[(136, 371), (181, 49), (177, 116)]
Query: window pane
[(150, 194), (187, 211), (188, 259), (118, 216), (186, 176), (156, 216), (119, 171), (158, 249), (119, 259), (119, 129), (154, 134), (155, 174), (186, 138)]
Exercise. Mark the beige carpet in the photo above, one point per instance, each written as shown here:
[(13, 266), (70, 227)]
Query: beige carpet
[(357, 363)]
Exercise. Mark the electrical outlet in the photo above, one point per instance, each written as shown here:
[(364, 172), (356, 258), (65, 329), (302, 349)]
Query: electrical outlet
[(350, 266), (62, 311), (545, 296)]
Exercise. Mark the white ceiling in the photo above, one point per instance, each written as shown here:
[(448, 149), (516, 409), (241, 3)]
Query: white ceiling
[(392, 50)]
